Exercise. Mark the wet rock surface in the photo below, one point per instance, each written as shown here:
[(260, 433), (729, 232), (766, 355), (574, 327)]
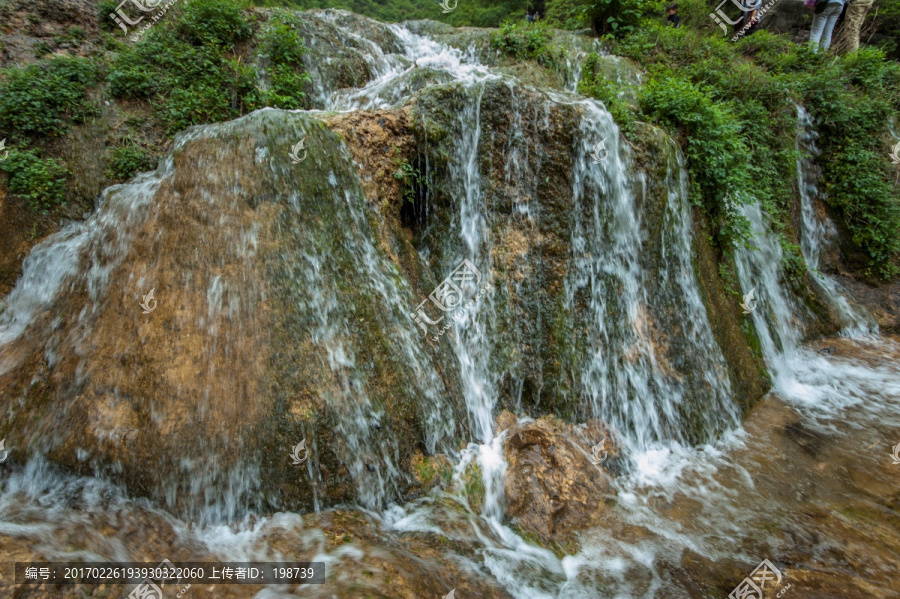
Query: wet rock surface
[(552, 487)]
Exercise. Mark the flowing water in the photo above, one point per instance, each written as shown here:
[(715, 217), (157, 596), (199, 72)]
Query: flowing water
[(701, 499), (819, 232)]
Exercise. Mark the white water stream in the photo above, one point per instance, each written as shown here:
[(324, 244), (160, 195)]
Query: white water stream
[(621, 379)]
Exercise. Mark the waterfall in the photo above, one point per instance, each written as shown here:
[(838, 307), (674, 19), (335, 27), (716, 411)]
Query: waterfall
[(643, 354), (796, 372), (816, 233), (624, 376)]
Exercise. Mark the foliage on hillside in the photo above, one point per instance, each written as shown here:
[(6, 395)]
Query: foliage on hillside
[(525, 41), (43, 98), (734, 107), (190, 67)]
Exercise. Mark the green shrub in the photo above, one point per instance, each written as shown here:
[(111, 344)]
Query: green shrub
[(410, 175), (126, 161), (217, 22), (77, 33), (41, 49), (595, 85), (104, 9), (733, 108), (187, 66), (191, 71), (528, 41), (616, 17), (43, 98), (131, 76), (717, 157), (282, 45), (40, 182)]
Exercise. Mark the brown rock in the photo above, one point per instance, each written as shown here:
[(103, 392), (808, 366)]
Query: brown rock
[(552, 488)]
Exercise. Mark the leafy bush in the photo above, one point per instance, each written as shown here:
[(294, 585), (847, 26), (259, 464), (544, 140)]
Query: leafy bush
[(616, 17), (528, 41), (734, 108), (41, 49), (126, 161), (187, 66), (411, 177), (717, 158), (77, 33), (282, 45), (40, 182), (104, 9), (43, 98), (217, 22)]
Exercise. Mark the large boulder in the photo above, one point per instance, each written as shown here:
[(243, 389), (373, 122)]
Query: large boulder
[(278, 315)]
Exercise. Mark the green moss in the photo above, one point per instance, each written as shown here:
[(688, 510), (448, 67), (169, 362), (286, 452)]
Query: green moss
[(473, 482)]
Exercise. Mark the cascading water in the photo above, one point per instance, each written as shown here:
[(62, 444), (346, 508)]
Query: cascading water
[(646, 360), (816, 233), (624, 379)]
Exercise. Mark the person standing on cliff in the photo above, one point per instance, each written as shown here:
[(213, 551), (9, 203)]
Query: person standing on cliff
[(856, 14), (823, 24)]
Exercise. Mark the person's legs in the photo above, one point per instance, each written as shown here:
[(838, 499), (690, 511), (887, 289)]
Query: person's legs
[(833, 13), (815, 31), (823, 25), (856, 14)]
